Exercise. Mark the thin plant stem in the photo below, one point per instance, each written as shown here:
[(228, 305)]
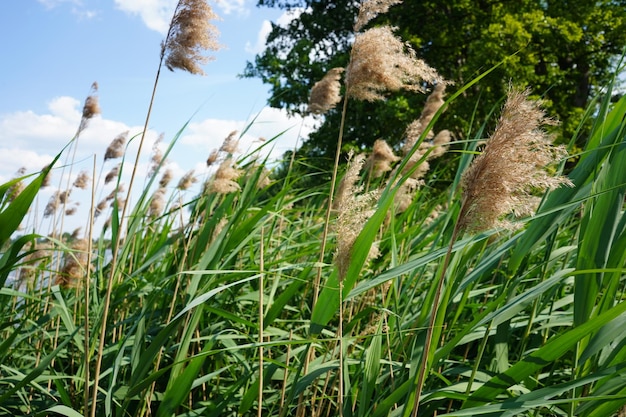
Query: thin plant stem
[(261, 312), (87, 289), (115, 248), (433, 317)]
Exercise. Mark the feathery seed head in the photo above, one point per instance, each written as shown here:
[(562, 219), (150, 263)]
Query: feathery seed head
[(230, 144), (75, 264), (416, 128), (381, 62), (116, 148), (157, 202), (326, 93), (166, 178), (82, 180), (353, 211), (112, 174), (369, 9), (187, 181), (503, 178), (212, 157), (90, 108), (191, 33), (224, 180), (381, 158)]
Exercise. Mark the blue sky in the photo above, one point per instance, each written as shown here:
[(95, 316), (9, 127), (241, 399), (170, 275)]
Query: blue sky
[(54, 49)]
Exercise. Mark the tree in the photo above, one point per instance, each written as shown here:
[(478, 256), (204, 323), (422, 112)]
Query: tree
[(564, 50)]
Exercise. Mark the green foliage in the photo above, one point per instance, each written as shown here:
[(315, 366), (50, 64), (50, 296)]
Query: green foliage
[(224, 304), (563, 51)]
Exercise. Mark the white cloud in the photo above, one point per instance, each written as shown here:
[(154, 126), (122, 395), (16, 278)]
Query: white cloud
[(30, 140), (286, 18), (156, 14), (233, 6), (259, 46)]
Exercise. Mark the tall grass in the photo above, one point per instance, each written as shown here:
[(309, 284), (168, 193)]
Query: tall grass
[(207, 304)]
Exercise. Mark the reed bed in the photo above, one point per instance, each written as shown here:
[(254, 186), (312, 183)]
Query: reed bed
[(375, 294)]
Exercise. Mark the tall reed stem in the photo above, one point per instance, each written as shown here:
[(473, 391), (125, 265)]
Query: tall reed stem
[(115, 247), (424, 363)]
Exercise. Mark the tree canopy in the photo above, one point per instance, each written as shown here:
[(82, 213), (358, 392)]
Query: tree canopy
[(563, 50)]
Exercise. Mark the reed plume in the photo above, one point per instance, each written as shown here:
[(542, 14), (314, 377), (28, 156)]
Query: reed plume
[(187, 181), (91, 108), (190, 34), (157, 202), (381, 158), (112, 174), (75, 264), (510, 171), (224, 180), (165, 178), (326, 93), (353, 209), (416, 128), (381, 62), (213, 156), (116, 147), (230, 143), (82, 180), (369, 9)]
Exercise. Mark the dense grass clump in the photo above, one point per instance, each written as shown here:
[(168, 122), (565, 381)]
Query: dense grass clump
[(375, 294)]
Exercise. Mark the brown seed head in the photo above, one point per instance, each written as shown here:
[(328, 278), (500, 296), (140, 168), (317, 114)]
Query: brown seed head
[(187, 181), (370, 9), (112, 174), (326, 93), (82, 180), (224, 180), (381, 158), (382, 62), (212, 157), (353, 211), (165, 178), (510, 170), (157, 203), (416, 128), (75, 264), (230, 144), (116, 148), (191, 33)]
